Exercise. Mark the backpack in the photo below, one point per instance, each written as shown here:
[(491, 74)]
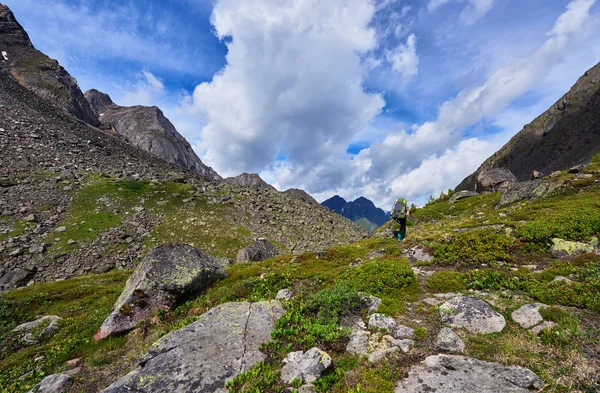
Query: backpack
[(399, 210)]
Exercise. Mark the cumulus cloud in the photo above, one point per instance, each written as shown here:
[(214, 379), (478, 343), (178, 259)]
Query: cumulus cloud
[(292, 85), (404, 58), (146, 90)]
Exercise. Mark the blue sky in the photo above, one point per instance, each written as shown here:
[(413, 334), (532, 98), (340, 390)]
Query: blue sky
[(381, 98)]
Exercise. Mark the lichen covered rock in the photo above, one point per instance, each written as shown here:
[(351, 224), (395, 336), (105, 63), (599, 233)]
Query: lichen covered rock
[(258, 251), (473, 314)]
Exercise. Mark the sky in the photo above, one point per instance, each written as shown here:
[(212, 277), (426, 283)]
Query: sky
[(374, 98)]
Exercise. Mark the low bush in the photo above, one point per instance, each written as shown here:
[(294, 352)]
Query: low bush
[(445, 281), (474, 248)]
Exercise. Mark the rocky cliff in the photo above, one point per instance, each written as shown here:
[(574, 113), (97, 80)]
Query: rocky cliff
[(148, 129), (567, 134), (39, 73)]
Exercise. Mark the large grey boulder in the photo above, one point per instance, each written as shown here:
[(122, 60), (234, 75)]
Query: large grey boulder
[(382, 322), (204, 355), (51, 322), (494, 180), (307, 366), (473, 314), (56, 383), (528, 315), (459, 374), (257, 251), (165, 275), (16, 278), (527, 190), (449, 341), (461, 195)]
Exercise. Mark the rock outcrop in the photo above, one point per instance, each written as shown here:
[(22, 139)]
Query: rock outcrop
[(249, 180), (472, 314), (147, 128), (39, 73), (204, 355), (562, 247), (258, 251), (567, 134), (530, 189), (459, 374), (302, 195), (165, 276), (461, 195), (494, 180)]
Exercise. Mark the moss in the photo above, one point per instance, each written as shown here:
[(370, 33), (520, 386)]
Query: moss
[(445, 281)]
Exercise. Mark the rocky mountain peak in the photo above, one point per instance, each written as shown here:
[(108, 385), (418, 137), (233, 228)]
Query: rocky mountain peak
[(249, 179), (98, 101), (301, 194), (11, 32)]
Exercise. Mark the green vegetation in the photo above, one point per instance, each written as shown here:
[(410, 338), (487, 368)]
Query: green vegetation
[(474, 248)]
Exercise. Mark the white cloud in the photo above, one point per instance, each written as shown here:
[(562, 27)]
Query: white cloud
[(147, 90), (435, 4), (292, 84), (474, 10), (404, 58)]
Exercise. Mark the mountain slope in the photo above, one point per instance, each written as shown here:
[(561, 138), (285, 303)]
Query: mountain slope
[(301, 194), (38, 72), (148, 129), (567, 134), (335, 203), (362, 211)]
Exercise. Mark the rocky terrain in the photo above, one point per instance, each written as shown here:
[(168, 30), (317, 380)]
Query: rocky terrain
[(567, 134), (362, 211), (249, 180), (148, 129), (39, 73)]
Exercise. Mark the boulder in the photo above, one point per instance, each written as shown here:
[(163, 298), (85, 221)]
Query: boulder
[(258, 251), (449, 341), (284, 294), (166, 275), (528, 315), (402, 332), (204, 355), (544, 325), (382, 322), (527, 190), (461, 195), (369, 301), (494, 180), (405, 345), (16, 278), (473, 314), (307, 366), (459, 374), (359, 342), (51, 322), (562, 247), (56, 383), (418, 254)]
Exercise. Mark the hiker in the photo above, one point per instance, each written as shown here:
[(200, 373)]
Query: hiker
[(399, 214)]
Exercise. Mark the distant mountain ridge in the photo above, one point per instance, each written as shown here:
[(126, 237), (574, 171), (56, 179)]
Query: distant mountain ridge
[(567, 134), (362, 211)]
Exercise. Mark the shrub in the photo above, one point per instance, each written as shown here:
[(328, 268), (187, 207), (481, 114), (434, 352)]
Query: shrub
[(445, 281), (475, 247), (335, 302), (381, 277)]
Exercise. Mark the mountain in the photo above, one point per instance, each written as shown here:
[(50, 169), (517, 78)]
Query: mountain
[(39, 73), (362, 211), (249, 179), (567, 134), (302, 195), (147, 128)]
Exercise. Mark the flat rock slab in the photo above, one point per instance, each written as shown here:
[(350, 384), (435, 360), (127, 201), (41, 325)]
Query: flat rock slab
[(204, 355), (166, 275), (459, 374), (528, 315), (473, 314)]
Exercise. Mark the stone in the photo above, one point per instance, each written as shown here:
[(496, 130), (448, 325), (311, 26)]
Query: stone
[(382, 322), (461, 195), (473, 314), (371, 302), (560, 279), (494, 180), (562, 247), (31, 218), (536, 175), (544, 325), (284, 294), (37, 249), (56, 383), (51, 322), (258, 251), (352, 321), (528, 316), (15, 278), (382, 353), (576, 169), (307, 389), (166, 275), (204, 355), (449, 341), (60, 229), (418, 254), (401, 332), (162, 203), (459, 374), (359, 342), (527, 190), (405, 344), (306, 367)]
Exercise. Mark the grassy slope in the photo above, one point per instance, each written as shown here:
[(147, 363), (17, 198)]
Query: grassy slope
[(488, 259)]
